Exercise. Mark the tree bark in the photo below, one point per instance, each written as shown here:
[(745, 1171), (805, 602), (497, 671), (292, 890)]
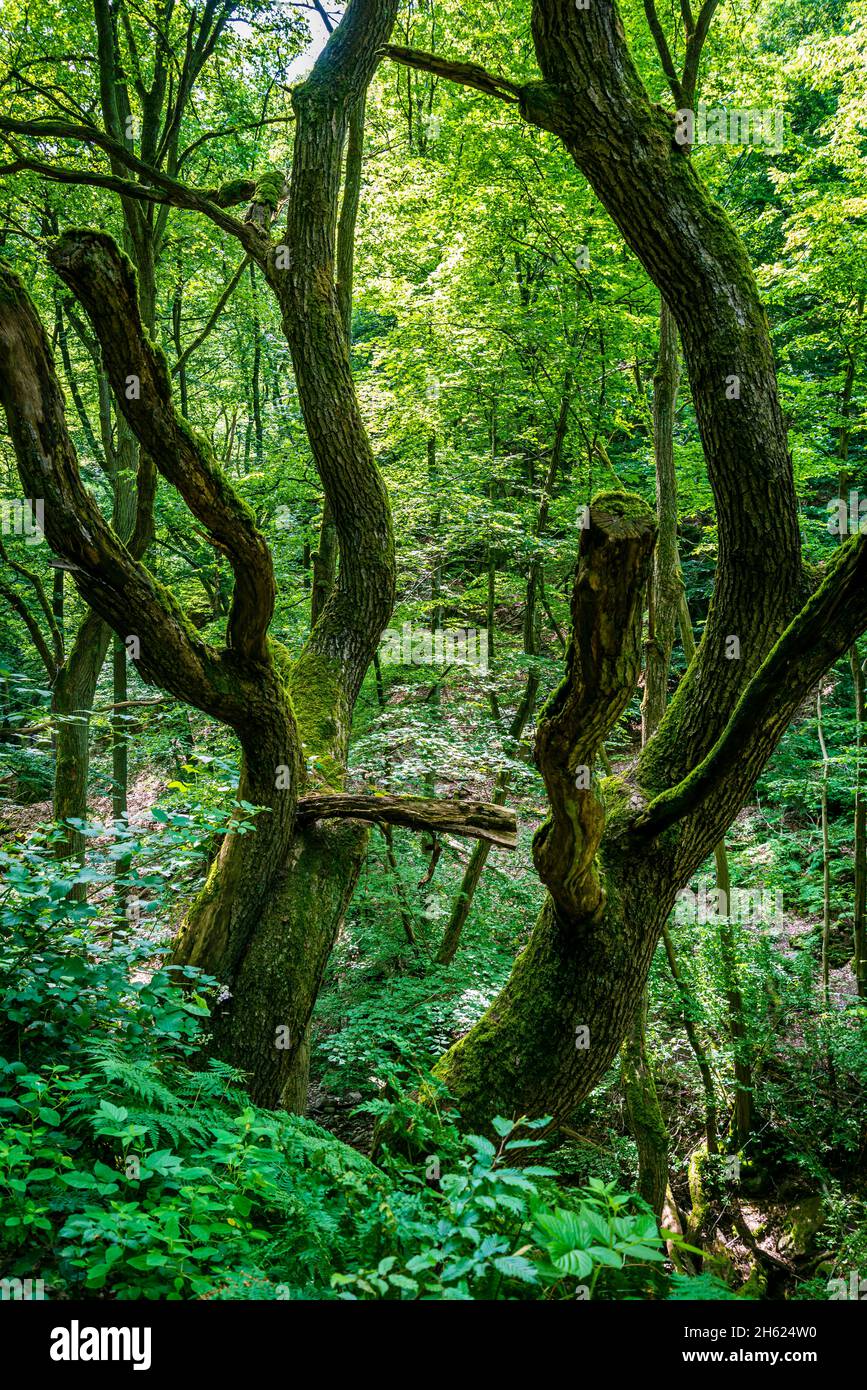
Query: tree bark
[(587, 960)]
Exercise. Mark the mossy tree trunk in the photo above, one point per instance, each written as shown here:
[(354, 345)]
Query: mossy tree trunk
[(636, 1065), (613, 856), (275, 895)]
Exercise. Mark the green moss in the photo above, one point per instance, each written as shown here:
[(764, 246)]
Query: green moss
[(697, 1193), (11, 288), (235, 191), (316, 690), (626, 504), (269, 188), (803, 1221), (71, 237), (283, 663), (756, 1286)]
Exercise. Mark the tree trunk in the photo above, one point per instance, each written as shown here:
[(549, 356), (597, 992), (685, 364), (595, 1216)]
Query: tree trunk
[(72, 701), (645, 1112), (859, 909), (587, 960)]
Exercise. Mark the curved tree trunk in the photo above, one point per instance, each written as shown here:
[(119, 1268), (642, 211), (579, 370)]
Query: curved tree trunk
[(612, 885), (274, 897)]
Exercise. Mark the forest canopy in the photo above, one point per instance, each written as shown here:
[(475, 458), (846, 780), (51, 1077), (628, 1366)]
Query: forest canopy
[(433, 579)]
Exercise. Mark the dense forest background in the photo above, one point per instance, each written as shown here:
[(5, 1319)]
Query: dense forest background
[(513, 365)]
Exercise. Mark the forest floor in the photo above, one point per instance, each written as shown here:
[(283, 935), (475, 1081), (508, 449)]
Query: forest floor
[(750, 1235)]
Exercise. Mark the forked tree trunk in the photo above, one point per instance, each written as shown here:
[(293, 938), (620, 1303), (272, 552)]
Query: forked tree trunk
[(613, 870), (639, 1083), (266, 918)]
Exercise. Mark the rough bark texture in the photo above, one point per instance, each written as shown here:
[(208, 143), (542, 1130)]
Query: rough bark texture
[(478, 820), (266, 919), (588, 957), (665, 584), (645, 1113)]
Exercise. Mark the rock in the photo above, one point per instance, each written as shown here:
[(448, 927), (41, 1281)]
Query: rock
[(802, 1222)]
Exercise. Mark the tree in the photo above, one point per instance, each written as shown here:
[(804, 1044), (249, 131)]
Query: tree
[(139, 104), (613, 857), (266, 918)]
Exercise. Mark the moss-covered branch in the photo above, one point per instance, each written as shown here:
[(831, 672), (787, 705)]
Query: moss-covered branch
[(466, 74), (478, 820), (168, 650), (602, 666), (823, 630), (103, 281)]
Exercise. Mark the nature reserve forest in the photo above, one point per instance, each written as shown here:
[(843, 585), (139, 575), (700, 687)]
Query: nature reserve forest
[(433, 469)]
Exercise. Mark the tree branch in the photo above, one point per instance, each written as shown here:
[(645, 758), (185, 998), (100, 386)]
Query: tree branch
[(602, 666), (478, 820), (17, 604), (695, 40), (823, 630), (664, 52), (104, 284), (466, 74), (118, 587), (33, 578), (155, 186)]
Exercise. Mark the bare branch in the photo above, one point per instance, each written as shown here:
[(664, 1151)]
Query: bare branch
[(115, 585), (17, 604), (33, 578), (694, 45), (664, 52)]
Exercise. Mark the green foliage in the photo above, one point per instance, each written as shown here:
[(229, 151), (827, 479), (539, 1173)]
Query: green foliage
[(135, 1168), (130, 1163)]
